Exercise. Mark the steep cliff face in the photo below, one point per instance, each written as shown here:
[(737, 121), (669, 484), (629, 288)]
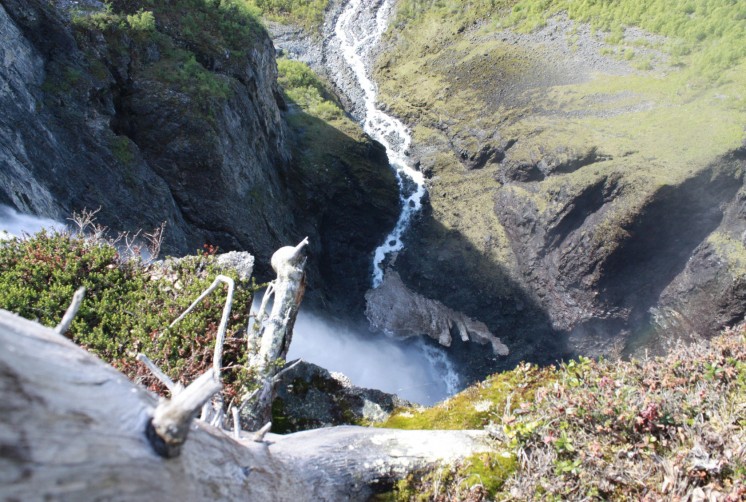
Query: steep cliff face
[(56, 153), (103, 115), (176, 115), (579, 202)]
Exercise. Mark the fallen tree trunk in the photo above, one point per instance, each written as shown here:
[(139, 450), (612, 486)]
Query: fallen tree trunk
[(73, 428)]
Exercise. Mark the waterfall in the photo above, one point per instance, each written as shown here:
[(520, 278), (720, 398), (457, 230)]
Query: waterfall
[(349, 49), (15, 224), (357, 45)]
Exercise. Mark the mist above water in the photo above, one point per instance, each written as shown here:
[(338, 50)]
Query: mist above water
[(413, 370), (17, 224)]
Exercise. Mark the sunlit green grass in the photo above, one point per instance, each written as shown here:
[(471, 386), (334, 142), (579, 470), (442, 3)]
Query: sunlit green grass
[(709, 32)]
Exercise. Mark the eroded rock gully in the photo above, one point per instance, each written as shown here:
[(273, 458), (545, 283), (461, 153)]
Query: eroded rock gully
[(582, 286)]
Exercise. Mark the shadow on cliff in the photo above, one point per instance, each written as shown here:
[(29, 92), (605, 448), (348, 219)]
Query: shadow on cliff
[(347, 200), (443, 264), (662, 241)]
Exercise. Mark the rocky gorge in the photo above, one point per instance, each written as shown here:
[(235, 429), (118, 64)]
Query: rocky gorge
[(585, 191), (582, 199), (540, 201), (157, 123), (578, 186)]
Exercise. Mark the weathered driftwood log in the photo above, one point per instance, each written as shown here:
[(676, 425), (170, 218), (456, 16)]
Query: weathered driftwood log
[(73, 428)]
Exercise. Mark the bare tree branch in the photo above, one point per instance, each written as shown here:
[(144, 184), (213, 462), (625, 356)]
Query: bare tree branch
[(169, 427), (155, 240), (174, 388), (84, 219), (287, 368), (217, 360), (258, 436), (67, 319), (236, 423)]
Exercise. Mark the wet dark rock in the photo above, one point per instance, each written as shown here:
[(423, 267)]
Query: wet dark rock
[(309, 397)]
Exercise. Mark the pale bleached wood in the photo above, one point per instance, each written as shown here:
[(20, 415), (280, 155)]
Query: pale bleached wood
[(74, 429), (173, 387), (270, 337), (259, 435), (172, 418), (217, 360), (71, 311), (236, 423)]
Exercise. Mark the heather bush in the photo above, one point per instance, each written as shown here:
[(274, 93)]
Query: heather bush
[(128, 305), (656, 429)]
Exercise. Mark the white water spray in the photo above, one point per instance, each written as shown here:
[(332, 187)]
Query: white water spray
[(357, 46), (15, 224), (414, 371)]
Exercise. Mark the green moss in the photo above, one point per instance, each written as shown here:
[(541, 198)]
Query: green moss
[(123, 149), (477, 477), (732, 250), (477, 406), (490, 470)]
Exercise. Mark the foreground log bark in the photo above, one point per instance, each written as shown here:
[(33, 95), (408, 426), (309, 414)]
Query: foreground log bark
[(73, 428)]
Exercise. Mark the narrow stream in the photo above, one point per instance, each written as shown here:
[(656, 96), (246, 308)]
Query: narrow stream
[(358, 40)]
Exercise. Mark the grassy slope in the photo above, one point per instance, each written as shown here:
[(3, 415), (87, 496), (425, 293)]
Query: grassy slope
[(322, 129), (599, 430), (448, 69)]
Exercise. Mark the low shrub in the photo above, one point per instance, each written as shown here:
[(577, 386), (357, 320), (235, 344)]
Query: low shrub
[(128, 305)]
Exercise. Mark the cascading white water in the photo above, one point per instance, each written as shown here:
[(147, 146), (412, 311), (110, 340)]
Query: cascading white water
[(357, 46), (358, 30)]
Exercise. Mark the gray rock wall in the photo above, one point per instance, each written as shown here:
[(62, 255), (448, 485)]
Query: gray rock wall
[(97, 117)]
